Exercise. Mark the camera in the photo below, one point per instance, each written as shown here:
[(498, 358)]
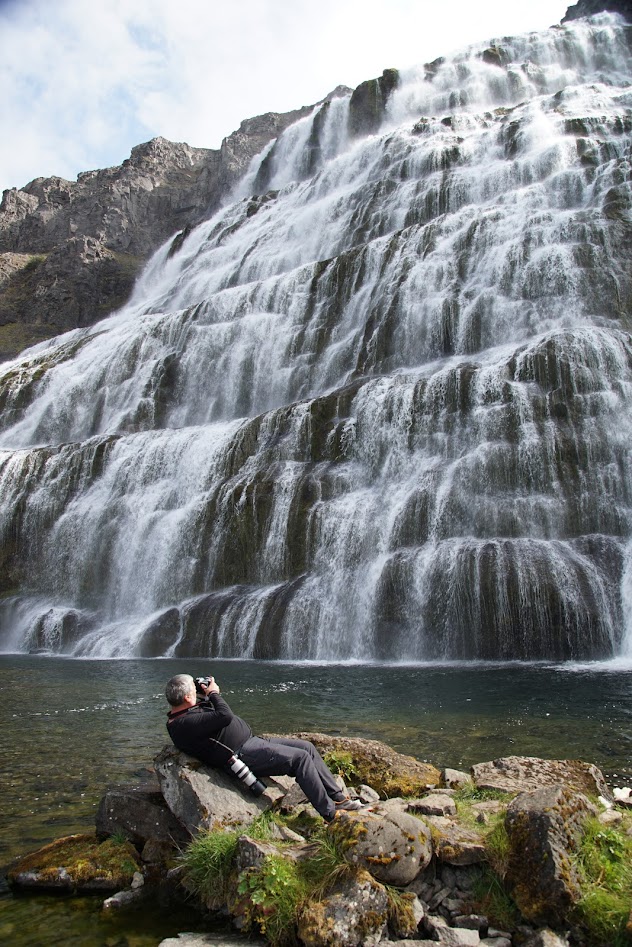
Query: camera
[(246, 775), (201, 682)]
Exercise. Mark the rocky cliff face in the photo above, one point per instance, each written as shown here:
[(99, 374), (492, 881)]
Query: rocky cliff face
[(590, 7), (70, 250)]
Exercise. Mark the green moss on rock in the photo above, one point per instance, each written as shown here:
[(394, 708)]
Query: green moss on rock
[(77, 862)]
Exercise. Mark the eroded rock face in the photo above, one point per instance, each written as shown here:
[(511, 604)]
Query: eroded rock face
[(85, 241), (527, 773), (544, 829), (353, 911), (392, 845), (202, 797)]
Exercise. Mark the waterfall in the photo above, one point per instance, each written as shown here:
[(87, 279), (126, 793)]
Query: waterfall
[(378, 407)]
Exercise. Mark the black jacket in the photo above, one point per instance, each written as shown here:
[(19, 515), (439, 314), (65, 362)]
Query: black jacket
[(193, 731)]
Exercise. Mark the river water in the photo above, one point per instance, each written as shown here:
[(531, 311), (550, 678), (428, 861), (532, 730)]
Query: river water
[(73, 727)]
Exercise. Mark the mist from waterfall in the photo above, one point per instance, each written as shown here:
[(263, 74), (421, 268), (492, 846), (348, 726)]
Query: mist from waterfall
[(378, 407)]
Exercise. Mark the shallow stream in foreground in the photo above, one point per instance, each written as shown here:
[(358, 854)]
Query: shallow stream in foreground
[(70, 728)]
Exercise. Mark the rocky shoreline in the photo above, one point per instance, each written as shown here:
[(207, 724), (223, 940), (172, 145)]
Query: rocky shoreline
[(497, 856)]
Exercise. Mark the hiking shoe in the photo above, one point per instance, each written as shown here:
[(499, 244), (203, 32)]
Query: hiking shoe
[(350, 805)]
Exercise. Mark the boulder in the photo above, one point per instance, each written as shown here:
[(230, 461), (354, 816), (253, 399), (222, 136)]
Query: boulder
[(441, 931), (433, 804), (544, 829), (389, 773), (392, 845), (123, 899), (527, 773), (455, 779), (454, 843), (141, 813), (367, 794), (76, 863), (355, 910), (202, 797)]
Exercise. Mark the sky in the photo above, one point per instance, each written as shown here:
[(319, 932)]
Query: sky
[(83, 82)]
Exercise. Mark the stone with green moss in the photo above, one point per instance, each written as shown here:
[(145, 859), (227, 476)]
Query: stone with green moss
[(377, 765), (77, 863)]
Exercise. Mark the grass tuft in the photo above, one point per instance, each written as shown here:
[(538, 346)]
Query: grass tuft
[(208, 863), (605, 869), (493, 900)]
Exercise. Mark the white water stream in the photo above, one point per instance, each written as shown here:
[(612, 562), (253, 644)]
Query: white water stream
[(381, 411)]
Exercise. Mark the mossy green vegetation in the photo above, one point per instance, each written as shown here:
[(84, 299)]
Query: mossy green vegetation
[(269, 897), (275, 893), (605, 869), (83, 860), (208, 864), (341, 764), (492, 899)]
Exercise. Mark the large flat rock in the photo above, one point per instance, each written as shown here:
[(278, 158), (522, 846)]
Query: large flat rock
[(202, 797), (528, 773)]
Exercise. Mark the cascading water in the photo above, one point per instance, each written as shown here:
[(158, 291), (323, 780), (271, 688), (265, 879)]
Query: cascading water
[(378, 407)]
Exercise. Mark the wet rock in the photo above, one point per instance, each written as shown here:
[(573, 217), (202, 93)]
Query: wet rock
[(203, 797), (157, 851), (389, 773), (76, 863), (393, 846), (124, 898), (141, 813), (368, 103), (355, 910), (527, 773), (590, 7), (544, 829)]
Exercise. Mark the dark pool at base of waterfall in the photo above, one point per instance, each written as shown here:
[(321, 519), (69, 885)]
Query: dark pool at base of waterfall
[(71, 728)]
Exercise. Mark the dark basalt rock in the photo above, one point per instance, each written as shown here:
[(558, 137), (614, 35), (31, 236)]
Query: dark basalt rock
[(591, 7), (368, 103), (140, 813)]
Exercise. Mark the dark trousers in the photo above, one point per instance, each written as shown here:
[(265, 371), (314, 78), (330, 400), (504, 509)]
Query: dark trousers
[(278, 756)]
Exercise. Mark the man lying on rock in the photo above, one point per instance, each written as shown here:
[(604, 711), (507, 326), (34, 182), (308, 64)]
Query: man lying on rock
[(211, 732)]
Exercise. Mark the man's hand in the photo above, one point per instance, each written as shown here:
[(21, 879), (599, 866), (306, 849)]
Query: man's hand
[(211, 688)]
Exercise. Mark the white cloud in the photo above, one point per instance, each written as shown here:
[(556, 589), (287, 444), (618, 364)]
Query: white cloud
[(82, 83)]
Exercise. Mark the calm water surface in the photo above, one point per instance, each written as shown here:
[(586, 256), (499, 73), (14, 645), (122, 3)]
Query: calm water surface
[(72, 727)]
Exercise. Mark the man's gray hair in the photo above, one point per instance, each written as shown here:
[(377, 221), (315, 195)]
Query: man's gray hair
[(178, 688)]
